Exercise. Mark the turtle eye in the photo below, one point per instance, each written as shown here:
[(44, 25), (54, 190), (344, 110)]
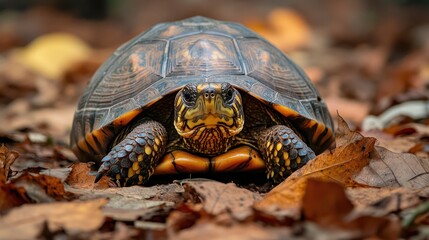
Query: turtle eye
[(229, 94), (187, 95)]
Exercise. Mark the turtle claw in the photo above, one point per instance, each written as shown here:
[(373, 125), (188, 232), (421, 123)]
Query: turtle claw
[(98, 177), (104, 168)]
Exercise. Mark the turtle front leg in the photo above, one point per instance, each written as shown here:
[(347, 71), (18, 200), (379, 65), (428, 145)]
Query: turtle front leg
[(283, 151), (133, 160)]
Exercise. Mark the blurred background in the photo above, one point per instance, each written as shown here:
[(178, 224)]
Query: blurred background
[(363, 56)]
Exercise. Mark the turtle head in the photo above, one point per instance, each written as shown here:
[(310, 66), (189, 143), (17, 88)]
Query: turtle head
[(216, 107)]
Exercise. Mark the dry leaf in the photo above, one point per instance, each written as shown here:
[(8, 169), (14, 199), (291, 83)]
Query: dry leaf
[(394, 144), (383, 200), (120, 214), (79, 178), (133, 203), (389, 169), (61, 173), (340, 165), (52, 54), (327, 204), (26, 222), (219, 197), (12, 196), (243, 231), (7, 157), (183, 217), (40, 187), (285, 28)]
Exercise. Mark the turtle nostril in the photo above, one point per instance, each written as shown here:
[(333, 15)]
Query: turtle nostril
[(210, 93)]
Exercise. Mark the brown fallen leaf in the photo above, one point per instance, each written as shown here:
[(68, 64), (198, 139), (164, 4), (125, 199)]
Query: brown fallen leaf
[(183, 217), (120, 214), (383, 200), (40, 187), (134, 203), (335, 210), (285, 28), (323, 208), (191, 221), (61, 173), (79, 177), (218, 197), (395, 144), (7, 157), (389, 169), (26, 222), (121, 231), (340, 165), (12, 196), (211, 230)]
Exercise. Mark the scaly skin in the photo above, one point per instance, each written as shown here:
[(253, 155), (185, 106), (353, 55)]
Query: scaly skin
[(133, 160), (283, 151)]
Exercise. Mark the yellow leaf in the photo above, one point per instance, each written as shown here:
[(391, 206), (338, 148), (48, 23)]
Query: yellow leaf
[(52, 54)]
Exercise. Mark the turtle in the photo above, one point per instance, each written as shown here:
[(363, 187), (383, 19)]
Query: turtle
[(199, 95)]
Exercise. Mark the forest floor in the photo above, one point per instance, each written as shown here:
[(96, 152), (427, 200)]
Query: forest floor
[(375, 183)]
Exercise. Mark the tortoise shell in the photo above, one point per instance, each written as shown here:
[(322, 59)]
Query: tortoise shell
[(168, 56)]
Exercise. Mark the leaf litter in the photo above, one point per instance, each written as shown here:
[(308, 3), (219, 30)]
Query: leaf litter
[(375, 180)]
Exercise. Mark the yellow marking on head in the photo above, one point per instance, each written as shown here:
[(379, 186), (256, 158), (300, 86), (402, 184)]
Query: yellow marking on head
[(287, 161), (155, 147), (267, 144), (130, 172), (209, 120), (140, 178), (140, 158), (118, 176), (271, 147), (157, 141), (272, 174), (238, 99), (281, 173), (277, 160), (148, 150), (298, 160), (275, 153), (179, 101), (279, 146), (202, 86), (136, 166)]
